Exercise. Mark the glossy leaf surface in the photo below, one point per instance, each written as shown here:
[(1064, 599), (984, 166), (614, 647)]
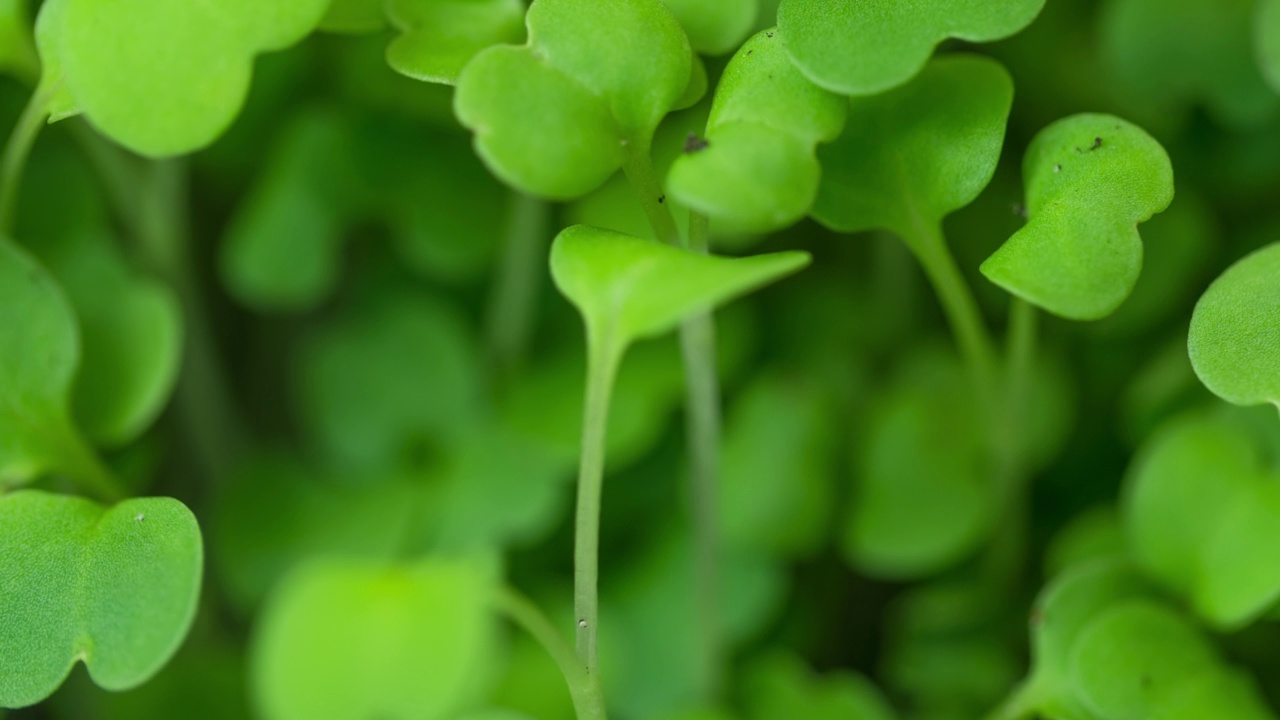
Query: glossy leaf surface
[(166, 79), (116, 588), (439, 38), (911, 156), (555, 117), (862, 47), (1090, 179), (1234, 341), (349, 640), (756, 169)]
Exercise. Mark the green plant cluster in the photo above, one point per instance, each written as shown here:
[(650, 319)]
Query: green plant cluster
[(644, 359)]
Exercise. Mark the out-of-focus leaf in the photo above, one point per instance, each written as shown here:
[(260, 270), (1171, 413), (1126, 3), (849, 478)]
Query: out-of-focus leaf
[(862, 47), (714, 27), (354, 16), (116, 588), (1267, 41), (780, 687), (1090, 179), (17, 54), (1235, 336), (439, 37), (1093, 534)]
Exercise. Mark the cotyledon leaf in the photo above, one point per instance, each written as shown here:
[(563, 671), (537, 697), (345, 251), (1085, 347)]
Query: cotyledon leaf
[(756, 169), (1090, 179), (354, 16), (781, 687), (350, 640), (861, 47), (557, 117), (166, 78), (916, 153), (439, 37), (629, 289), (114, 587), (1267, 41), (1234, 342), (715, 26)]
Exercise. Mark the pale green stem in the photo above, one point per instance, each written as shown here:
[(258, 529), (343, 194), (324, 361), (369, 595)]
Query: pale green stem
[(1022, 351), (702, 408), (602, 367), (702, 413), (18, 149), (972, 336), (513, 298), (584, 688)]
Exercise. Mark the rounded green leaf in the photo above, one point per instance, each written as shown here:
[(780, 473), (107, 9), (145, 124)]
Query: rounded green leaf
[(630, 289), (1165, 55), (1094, 534), (1090, 179), (39, 354), (715, 27), (351, 640), (1133, 652), (781, 687), (862, 47), (1267, 41), (915, 154), (116, 588), (925, 495), (1234, 341), (555, 117), (168, 78), (439, 37), (756, 169)]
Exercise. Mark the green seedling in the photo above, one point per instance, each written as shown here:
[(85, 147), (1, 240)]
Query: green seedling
[(438, 39)]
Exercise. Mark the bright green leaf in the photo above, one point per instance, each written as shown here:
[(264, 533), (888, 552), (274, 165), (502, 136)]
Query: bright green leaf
[(911, 156), (757, 170), (167, 78), (439, 37), (862, 47), (1165, 55), (1234, 341), (350, 640), (925, 493), (1090, 179), (715, 26), (557, 117), (116, 588), (630, 289)]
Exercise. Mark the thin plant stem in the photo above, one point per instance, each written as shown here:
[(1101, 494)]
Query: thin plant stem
[(602, 368), (702, 408), (513, 298), (18, 149), (82, 465), (1023, 320), (584, 688), (702, 412), (972, 336)]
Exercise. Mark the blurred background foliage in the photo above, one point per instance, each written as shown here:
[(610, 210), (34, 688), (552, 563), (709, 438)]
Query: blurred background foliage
[(368, 398)]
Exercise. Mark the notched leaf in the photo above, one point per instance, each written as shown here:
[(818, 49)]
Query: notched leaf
[(862, 47), (1090, 179)]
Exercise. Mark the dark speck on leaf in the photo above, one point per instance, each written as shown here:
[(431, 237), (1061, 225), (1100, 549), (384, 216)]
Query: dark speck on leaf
[(750, 51), (662, 199), (768, 35), (1020, 210), (1057, 168), (1097, 143), (693, 143)]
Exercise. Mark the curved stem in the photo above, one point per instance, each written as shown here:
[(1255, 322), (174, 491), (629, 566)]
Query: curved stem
[(513, 298), (602, 368), (972, 336), (1021, 352), (702, 413), (18, 149), (584, 689), (644, 181)]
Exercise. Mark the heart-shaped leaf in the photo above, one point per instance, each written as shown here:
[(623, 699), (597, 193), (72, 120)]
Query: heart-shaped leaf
[(630, 289), (1234, 341), (354, 16), (925, 495), (349, 640), (116, 588), (756, 169), (714, 27), (439, 37), (1166, 55), (780, 687), (862, 47), (1267, 41), (558, 116), (166, 78), (1203, 517), (911, 156), (1090, 179), (393, 380)]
